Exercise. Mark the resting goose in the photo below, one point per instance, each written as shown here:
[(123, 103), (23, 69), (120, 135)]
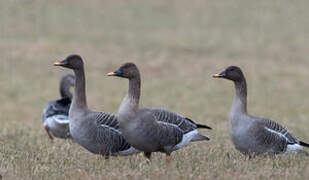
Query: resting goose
[(98, 132), (143, 129), (56, 112), (255, 135)]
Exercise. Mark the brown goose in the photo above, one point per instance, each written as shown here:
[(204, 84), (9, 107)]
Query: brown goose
[(95, 131), (255, 135), (56, 112), (142, 128)]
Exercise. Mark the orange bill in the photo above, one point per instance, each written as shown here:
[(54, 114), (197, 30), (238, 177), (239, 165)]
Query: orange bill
[(58, 63), (111, 74), (216, 75)]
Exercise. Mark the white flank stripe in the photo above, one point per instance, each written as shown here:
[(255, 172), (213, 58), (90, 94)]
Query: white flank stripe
[(290, 147), (129, 151), (276, 132), (110, 128)]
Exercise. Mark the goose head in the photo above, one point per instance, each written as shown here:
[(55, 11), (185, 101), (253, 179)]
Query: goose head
[(233, 73), (127, 70), (74, 62)]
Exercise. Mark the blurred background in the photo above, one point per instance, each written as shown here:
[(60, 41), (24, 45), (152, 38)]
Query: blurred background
[(177, 45)]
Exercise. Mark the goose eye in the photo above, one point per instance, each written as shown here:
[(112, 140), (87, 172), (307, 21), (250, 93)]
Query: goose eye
[(232, 70)]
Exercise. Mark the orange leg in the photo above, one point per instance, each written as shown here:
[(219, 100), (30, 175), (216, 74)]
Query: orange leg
[(48, 133), (168, 158), (148, 156)]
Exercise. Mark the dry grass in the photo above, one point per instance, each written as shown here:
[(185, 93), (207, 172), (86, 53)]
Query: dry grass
[(177, 45)]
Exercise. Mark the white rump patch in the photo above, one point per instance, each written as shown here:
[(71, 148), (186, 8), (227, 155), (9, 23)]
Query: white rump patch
[(61, 119), (290, 147), (186, 139), (56, 120), (294, 147)]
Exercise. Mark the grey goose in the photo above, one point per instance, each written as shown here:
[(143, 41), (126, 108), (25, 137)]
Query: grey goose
[(98, 132), (143, 128), (254, 135), (56, 112)]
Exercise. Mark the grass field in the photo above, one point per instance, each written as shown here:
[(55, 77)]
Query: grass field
[(177, 45)]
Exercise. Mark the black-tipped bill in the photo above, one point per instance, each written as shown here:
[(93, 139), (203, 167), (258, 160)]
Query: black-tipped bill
[(111, 74), (60, 63), (221, 75), (216, 76), (115, 73)]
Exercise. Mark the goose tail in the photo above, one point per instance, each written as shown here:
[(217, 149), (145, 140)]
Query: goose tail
[(200, 126), (304, 144), (203, 126)]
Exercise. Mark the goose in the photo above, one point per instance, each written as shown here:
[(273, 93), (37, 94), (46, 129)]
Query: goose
[(143, 129), (56, 112), (254, 135), (98, 132)]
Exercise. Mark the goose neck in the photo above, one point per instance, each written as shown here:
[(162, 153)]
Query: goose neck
[(134, 91), (65, 89), (79, 98), (240, 99), (129, 105)]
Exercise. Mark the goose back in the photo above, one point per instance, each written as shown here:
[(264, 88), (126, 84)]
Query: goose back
[(185, 124), (56, 107), (271, 136)]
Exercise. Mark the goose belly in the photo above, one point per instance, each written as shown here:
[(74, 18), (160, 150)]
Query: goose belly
[(86, 137), (241, 143), (142, 145), (247, 143), (242, 139), (140, 139)]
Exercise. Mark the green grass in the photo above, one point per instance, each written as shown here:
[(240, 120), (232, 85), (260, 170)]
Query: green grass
[(177, 45)]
